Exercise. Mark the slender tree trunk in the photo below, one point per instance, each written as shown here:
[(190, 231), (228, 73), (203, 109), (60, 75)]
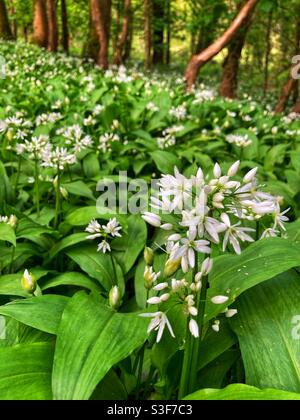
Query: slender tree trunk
[(92, 46), (65, 27), (101, 13), (12, 12), (123, 38), (148, 33), (25, 33), (128, 44), (52, 26), (40, 24), (5, 30), (116, 35), (268, 51), (285, 94), (169, 32), (297, 107), (158, 31), (199, 60), (232, 62)]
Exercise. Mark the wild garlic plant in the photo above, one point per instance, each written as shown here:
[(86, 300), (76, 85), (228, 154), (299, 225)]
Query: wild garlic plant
[(198, 214)]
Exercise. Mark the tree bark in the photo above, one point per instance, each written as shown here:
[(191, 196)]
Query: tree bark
[(52, 26), (285, 94), (148, 33), (123, 38), (14, 23), (169, 32), (5, 30), (158, 22), (199, 60), (232, 62), (40, 24), (268, 51), (92, 46), (101, 14), (297, 107), (65, 27)]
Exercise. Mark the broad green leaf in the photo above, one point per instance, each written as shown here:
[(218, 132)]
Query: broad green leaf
[(132, 243), (41, 312), (110, 388), (10, 284), (79, 188), (165, 161), (7, 233), (83, 216), (262, 260), (268, 328), (91, 339), (25, 372), (97, 265), (242, 392), (70, 240), (71, 279)]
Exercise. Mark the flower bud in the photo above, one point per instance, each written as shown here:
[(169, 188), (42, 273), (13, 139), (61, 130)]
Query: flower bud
[(28, 282), (230, 313), (219, 300), (114, 297), (13, 221), (194, 329), (64, 193), (148, 255), (9, 135), (171, 267)]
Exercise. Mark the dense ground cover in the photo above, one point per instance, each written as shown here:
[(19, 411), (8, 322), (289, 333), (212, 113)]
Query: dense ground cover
[(75, 279)]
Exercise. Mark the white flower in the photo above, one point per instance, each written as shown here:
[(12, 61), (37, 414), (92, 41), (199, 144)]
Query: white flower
[(194, 329), (219, 300), (160, 286), (216, 326), (103, 247), (112, 228), (250, 176), (152, 219), (155, 300), (230, 313), (269, 233), (158, 323), (234, 233), (280, 218), (232, 171)]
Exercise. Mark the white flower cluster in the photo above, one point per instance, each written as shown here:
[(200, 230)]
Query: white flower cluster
[(109, 231), (50, 117), (35, 147), (75, 137), (179, 112), (239, 140), (204, 208), (11, 220), (58, 157), (106, 140), (169, 136)]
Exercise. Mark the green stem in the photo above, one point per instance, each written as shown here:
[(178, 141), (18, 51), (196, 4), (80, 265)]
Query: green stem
[(12, 259), (115, 279), (18, 175), (257, 231), (190, 343), (57, 201), (37, 187), (200, 321)]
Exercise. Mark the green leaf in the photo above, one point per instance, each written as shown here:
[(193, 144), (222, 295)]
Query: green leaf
[(242, 392), (110, 388), (165, 161), (83, 216), (42, 312), (71, 279), (10, 284), (79, 188), (7, 233), (25, 372), (97, 265), (70, 240), (91, 339), (268, 325), (262, 260), (132, 243)]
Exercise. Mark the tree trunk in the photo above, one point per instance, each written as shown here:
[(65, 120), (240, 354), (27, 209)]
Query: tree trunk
[(297, 107), (169, 32), (123, 38), (128, 44), (232, 62), (92, 46), (199, 60), (65, 27), (5, 31), (14, 23), (148, 33), (101, 14), (40, 24), (268, 51), (52, 26), (158, 31), (285, 94)]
